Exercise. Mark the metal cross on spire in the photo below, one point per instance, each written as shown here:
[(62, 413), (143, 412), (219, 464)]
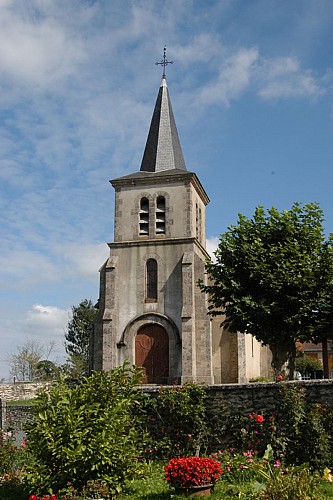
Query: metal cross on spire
[(164, 62)]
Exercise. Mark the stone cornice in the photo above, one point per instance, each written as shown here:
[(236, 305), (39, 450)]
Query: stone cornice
[(161, 178), (159, 242)]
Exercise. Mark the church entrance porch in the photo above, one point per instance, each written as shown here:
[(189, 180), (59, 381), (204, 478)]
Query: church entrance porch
[(152, 353)]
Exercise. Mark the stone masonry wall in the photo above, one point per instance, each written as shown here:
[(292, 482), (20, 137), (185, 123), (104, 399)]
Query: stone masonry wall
[(260, 397), (21, 391)]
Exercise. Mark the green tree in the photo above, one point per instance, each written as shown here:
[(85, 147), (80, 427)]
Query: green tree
[(47, 370), (80, 327), (273, 278)]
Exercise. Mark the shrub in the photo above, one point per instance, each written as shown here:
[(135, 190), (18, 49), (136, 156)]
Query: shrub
[(8, 452), (294, 484), (12, 457), (86, 433), (300, 430), (305, 364), (257, 432), (175, 420)]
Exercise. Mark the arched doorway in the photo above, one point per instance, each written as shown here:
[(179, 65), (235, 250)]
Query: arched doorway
[(152, 353)]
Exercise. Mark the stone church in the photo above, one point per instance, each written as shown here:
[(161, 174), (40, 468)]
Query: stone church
[(151, 310)]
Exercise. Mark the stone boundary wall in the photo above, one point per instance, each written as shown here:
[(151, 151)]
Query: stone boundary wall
[(259, 397), (22, 390)]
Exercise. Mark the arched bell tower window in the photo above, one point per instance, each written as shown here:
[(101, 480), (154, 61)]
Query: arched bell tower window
[(151, 280), (160, 215), (144, 217)]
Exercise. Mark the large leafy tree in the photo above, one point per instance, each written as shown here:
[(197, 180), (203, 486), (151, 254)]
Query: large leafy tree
[(77, 336), (273, 278)]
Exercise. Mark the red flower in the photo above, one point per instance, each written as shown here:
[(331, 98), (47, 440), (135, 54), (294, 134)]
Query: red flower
[(259, 419), (192, 471), (32, 497), (280, 377), (53, 497)]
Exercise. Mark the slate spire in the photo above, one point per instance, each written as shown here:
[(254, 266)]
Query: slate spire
[(163, 150)]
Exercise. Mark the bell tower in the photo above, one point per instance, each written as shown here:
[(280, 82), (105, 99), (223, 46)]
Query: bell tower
[(151, 311)]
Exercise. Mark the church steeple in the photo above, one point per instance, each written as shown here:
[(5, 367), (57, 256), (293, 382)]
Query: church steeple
[(163, 150)]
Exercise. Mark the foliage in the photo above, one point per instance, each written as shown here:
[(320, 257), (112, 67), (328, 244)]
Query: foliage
[(8, 452), (47, 370), (273, 278), (12, 460), (79, 329), (12, 457), (298, 483), (258, 432), (86, 433), (23, 364), (239, 466), (261, 379), (52, 496), (175, 420), (187, 472), (305, 364), (300, 433), (12, 487)]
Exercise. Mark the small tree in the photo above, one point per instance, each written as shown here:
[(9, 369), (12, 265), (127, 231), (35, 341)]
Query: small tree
[(268, 278), (23, 364), (80, 327)]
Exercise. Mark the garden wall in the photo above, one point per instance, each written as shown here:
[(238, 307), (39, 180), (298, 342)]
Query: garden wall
[(21, 390), (259, 397)]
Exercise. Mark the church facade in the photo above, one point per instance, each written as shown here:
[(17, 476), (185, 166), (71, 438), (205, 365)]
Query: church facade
[(151, 310)]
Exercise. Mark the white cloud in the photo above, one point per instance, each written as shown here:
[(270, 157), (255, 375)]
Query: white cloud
[(275, 78), (283, 77), (211, 246), (26, 268), (234, 77), (84, 261), (201, 49), (45, 321), (35, 48)]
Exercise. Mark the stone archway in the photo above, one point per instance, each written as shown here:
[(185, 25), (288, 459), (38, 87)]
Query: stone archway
[(152, 353)]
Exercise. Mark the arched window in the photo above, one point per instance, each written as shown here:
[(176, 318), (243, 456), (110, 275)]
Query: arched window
[(151, 280), (144, 217), (160, 215)]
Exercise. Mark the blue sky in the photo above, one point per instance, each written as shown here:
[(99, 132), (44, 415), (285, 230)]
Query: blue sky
[(251, 89)]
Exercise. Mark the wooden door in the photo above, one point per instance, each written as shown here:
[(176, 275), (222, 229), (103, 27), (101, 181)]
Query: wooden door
[(152, 353)]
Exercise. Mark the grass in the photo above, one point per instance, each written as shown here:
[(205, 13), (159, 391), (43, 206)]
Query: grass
[(154, 487), (22, 402)]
